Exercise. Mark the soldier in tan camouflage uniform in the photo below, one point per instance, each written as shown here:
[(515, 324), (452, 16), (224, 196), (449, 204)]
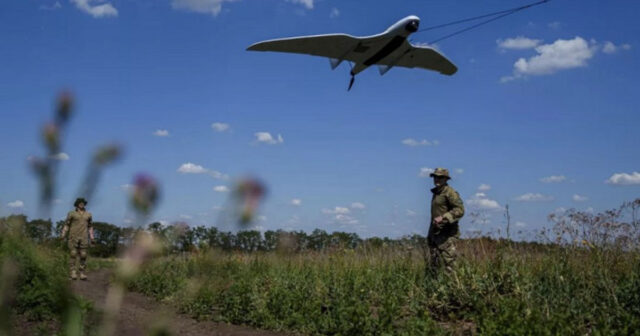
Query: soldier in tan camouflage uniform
[(78, 224), (446, 210)]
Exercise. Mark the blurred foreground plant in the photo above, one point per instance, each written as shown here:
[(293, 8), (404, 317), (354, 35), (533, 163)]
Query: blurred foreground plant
[(33, 282), (52, 134), (102, 157), (144, 198)]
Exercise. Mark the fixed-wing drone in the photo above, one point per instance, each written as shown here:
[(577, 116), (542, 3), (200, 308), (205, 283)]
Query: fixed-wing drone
[(386, 50)]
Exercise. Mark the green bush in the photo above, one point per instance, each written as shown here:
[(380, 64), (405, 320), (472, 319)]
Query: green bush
[(41, 286), (34, 286)]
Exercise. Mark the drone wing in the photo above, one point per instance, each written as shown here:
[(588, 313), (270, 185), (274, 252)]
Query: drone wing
[(425, 58), (340, 47), (336, 46)]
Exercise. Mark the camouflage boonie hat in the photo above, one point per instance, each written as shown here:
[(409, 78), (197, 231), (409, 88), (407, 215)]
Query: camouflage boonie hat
[(441, 172), (79, 200)]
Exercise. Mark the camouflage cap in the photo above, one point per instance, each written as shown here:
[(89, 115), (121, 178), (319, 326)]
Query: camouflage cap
[(79, 200), (441, 172)]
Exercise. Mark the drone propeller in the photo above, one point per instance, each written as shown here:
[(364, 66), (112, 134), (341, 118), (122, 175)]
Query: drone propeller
[(353, 78)]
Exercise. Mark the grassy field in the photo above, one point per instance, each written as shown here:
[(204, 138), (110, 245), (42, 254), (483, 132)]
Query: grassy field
[(498, 288)]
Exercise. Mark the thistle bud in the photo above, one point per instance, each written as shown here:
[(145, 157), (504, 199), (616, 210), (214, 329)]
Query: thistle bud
[(64, 108), (248, 193), (145, 193)]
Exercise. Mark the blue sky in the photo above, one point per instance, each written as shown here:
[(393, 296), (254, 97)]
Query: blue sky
[(542, 112)]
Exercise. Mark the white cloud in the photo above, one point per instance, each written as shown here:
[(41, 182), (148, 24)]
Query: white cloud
[(96, 8), (423, 142), (219, 127), (186, 217), (484, 187), (221, 188), (306, 3), (54, 6), (126, 186), (518, 43), (553, 179), (334, 13), (161, 133), (336, 210), (293, 221), (192, 168), (554, 25), (531, 197), (551, 58), (346, 219), (459, 171), (296, 202), (624, 179), (212, 7), (481, 201), (411, 213), (341, 215), (266, 137), (357, 205), (560, 211), (60, 156), (16, 204), (425, 171), (610, 48), (578, 198), (521, 224)]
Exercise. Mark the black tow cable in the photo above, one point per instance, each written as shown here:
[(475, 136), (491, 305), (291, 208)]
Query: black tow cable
[(500, 14)]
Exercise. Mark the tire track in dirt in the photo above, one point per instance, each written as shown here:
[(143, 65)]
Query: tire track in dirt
[(138, 313)]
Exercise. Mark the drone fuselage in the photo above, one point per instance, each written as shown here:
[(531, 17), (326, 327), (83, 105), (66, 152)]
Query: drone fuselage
[(391, 40)]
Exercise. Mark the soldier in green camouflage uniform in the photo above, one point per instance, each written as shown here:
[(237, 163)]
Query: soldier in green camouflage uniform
[(78, 224), (446, 210)]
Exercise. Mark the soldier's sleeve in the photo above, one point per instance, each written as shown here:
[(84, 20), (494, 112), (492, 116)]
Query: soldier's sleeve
[(67, 221), (457, 207), (90, 221)]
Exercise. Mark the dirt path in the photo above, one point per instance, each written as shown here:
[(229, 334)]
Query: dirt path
[(139, 312)]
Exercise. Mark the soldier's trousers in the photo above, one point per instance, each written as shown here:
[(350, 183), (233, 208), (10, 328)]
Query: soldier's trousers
[(78, 254), (442, 251)]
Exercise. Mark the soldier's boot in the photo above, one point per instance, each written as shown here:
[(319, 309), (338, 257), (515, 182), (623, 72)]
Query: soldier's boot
[(73, 275), (83, 276)]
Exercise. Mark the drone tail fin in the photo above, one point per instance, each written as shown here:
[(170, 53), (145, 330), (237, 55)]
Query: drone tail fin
[(384, 68), (334, 62)]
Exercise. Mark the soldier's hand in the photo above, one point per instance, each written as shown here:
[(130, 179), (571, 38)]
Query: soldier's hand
[(438, 220)]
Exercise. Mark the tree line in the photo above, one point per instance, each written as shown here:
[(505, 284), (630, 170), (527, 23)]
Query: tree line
[(618, 227), (180, 237)]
